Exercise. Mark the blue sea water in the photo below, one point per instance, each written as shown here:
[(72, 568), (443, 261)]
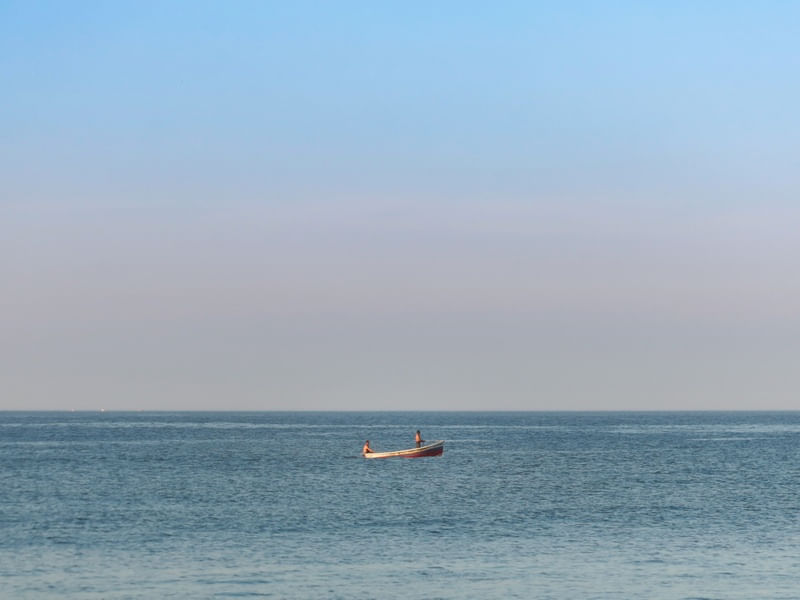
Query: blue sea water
[(281, 505)]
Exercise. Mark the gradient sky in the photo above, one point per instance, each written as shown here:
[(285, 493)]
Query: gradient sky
[(399, 205)]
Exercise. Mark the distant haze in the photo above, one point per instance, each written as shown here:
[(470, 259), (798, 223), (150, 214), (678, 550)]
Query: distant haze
[(446, 206)]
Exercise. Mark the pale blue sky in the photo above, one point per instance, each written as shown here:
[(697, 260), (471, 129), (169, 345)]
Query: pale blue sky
[(358, 205)]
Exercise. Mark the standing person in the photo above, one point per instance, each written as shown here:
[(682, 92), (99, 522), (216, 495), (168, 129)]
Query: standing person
[(418, 439), (366, 449)]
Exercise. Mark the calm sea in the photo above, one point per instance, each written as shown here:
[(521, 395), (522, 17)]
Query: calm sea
[(280, 505)]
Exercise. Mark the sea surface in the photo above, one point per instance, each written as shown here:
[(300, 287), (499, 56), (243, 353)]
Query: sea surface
[(281, 505)]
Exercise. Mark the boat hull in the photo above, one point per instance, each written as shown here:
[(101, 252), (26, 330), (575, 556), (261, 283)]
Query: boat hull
[(433, 449)]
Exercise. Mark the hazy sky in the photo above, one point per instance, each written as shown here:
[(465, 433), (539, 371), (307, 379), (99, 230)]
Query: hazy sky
[(399, 205)]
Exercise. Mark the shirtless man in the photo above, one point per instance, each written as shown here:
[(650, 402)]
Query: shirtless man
[(418, 439), (366, 449)]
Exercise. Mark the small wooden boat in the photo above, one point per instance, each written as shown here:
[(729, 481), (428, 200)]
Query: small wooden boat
[(431, 449)]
